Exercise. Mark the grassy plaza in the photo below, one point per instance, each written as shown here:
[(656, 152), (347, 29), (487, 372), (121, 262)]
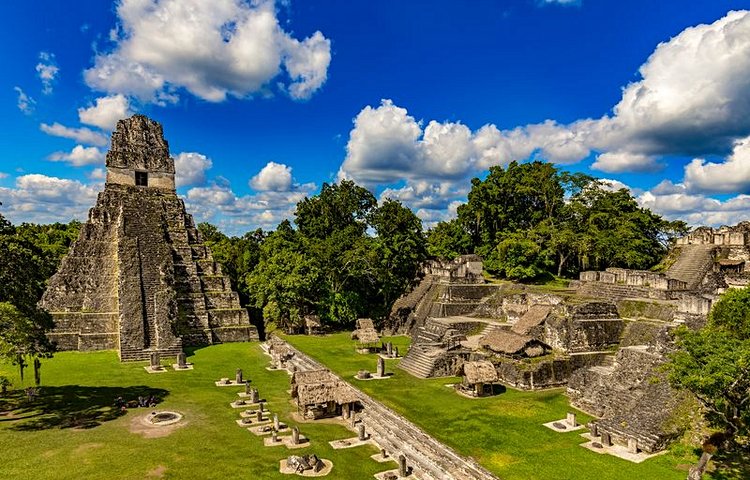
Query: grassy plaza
[(72, 430)]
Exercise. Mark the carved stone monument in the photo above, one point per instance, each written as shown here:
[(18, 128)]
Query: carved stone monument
[(381, 367), (402, 469), (238, 376), (139, 278)]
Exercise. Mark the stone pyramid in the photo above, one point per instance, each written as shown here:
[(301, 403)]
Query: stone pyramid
[(139, 279)]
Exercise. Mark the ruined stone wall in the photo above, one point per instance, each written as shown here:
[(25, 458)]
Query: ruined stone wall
[(534, 376), (588, 327)]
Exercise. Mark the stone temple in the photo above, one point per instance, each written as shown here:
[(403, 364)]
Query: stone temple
[(139, 279)]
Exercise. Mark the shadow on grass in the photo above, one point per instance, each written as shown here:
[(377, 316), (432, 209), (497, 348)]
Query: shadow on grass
[(70, 406), (732, 466)]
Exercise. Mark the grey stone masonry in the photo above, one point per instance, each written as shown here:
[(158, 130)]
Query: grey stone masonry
[(138, 278)]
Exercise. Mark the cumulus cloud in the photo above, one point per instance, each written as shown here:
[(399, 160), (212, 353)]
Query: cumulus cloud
[(81, 135), (80, 156), (47, 71), (105, 112), (274, 177), (618, 161), (190, 168), (24, 103), (236, 214), (732, 175), (212, 50), (44, 199)]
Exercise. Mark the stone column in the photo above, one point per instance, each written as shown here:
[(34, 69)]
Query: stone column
[(260, 406), (353, 417), (362, 434), (254, 396), (155, 361), (181, 360), (478, 387), (395, 352), (238, 376), (571, 420), (276, 424), (258, 416), (594, 427), (295, 436), (389, 349), (247, 389), (402, 470), (606, 439), (632, 445), (274, 436), (346, 410), (381, 367)]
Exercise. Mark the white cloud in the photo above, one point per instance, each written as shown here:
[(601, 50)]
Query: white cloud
[(3, 175), (190, 168), (24, 103), (235, 214), (47, 71), (97, 174), (732, 175), (567, 3), (618, 161), (80, 156), (211, 49), (106, 112), (81, 135), (274, 177), (693, 98), (43, 199)]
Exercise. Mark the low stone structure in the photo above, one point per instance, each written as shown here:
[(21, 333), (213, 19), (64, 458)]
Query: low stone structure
[(320, 394), (139, 279), (365, 334), (479, 378)]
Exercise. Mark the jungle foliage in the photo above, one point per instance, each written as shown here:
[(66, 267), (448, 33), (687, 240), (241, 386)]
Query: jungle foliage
[(532, 219)]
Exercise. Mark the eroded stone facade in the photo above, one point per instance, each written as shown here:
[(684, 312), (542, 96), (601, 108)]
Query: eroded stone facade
[(139, 279)]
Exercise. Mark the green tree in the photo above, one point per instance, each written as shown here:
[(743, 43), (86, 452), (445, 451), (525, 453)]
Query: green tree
[(400, 252), (516, 257), (284, 284), (24, 270), (448, 240), (713, 364)]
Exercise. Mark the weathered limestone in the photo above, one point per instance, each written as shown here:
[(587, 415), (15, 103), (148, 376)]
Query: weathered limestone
[(381, 367), (295, 436), (139, 279), (402, 469), (361, 434), (238, 376)]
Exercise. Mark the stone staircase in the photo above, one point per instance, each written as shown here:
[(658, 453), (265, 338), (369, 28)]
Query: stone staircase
[(420, 361), (694, 262), (129, 354)]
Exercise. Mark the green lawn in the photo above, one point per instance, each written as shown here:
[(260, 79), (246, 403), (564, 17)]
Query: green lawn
[(504, 433), (71, 431)]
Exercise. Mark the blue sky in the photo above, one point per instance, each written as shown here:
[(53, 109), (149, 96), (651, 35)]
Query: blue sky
[(263, 102)]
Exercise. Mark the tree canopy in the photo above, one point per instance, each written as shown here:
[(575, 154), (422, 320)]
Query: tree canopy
[(714, 364), (529, 219), (29, 255), (348, 257)]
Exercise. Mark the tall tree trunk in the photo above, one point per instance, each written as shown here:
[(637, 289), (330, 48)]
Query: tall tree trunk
[(21, 366), (37, 372), (696, 471), (560, 264)]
